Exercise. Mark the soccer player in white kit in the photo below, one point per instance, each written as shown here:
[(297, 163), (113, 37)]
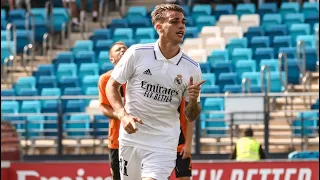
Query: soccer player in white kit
[(158, 75)]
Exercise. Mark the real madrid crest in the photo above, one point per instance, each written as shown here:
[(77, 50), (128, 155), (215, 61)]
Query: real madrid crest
[(178, 79)]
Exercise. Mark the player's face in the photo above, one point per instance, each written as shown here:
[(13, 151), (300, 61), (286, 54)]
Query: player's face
[(174, 27), (116, 53)]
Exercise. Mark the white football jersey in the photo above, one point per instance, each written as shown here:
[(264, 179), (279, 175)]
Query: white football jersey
[(155, 87)]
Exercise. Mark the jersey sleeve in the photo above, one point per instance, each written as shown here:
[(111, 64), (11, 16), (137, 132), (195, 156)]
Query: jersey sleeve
[(197, 77), (103, 80), (125, 67)]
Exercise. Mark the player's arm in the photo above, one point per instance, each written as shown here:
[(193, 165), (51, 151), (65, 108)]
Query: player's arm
[(188, 143), (104, 103), (192, 95), (115, 99)]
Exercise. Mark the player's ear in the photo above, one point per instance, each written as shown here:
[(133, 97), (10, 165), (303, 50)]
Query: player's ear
[(111, 60), (158, 27)]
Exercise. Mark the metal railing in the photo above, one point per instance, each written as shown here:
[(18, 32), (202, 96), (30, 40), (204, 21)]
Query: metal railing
[(262, 72), (30, 20), (8, 61), (285, 64), (301, 60), (28, 48), (11, 27), (245, 82), (307, 84), (47, 44)]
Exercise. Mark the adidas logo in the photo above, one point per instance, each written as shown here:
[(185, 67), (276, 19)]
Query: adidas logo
[(148, 72)]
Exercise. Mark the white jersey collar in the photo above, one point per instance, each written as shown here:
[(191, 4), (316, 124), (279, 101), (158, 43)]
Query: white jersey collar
[(159, 56)]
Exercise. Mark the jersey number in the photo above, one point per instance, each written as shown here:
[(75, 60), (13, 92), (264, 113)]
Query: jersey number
[(123, 166)]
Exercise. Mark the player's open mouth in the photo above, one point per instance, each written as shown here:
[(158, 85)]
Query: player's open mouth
[(180, 33)]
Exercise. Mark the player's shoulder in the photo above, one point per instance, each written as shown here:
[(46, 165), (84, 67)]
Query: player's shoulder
[(142, 47), (189, 61)]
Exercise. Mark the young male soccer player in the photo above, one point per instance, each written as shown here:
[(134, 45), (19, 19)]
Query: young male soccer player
[(157, 76), (115, 53)]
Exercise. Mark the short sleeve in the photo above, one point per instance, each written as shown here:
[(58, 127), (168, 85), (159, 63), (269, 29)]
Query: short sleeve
[(196, 79), (125, 67)]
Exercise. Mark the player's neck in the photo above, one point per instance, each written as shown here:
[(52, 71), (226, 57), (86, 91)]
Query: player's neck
[(168, 49)]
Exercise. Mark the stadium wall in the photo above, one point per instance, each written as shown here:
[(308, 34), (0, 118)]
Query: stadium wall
[(202, 170)]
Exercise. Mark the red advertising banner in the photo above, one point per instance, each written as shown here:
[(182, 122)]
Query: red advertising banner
[(269, 170)]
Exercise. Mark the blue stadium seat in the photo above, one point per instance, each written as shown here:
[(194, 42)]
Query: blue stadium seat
[(118, 23), (281, 41), (293, 72), (44, 70), (100, 34), (271, 19), (254, 77), (89, 81), (3, 35), (297, 18), (63, 57), (247, 8), (299, 29), (213, 104), (11, 107), (223, 9), (46, 82), (218, 56), (88, 69), (66, 70), (8, 92), (234, 88), (201, 10), (191, 32), (241, 54), (138, 22), (129, 42), (216, 126), (92, 91), (205, 67), (315, 105), (3, 24), (245, 66), (3, 14), (264, 53), (82, 45), (101, 125), (122, 33), (308, 121), (39, 13), (290, 51), (80, 127), (23, 37), (210, 78), (276, 30), (51, 92), (289, 7), (254, 31), (50, 106), (138, 11), (16, 14), (222, 67), (28, 92), (35, 126), (228, 79), (144, 33), (309, 40), (25, 82), (84, 57), (209, 86), (103, 58), (186, 9), (236, 43), (102, 45), (68, 81), (304, 154), (72, 91), (259, 42), (40, 23), (19, 23), (267, 8), (33, 106), (60, 17), (75, 106), (311, 59), (275, 82), (310, 8), (106, 67), (205, 21), (312, 19), (273, 64), (189, 21)]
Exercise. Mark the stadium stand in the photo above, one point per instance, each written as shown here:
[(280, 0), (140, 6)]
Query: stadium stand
[(232, 45)]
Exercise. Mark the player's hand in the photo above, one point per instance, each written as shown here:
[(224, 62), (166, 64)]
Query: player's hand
[(186, 151), (194, 89), (129, 123)]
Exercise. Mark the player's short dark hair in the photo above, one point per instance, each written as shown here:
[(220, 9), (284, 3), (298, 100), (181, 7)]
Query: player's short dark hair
[(160, 11), (248, 132)]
